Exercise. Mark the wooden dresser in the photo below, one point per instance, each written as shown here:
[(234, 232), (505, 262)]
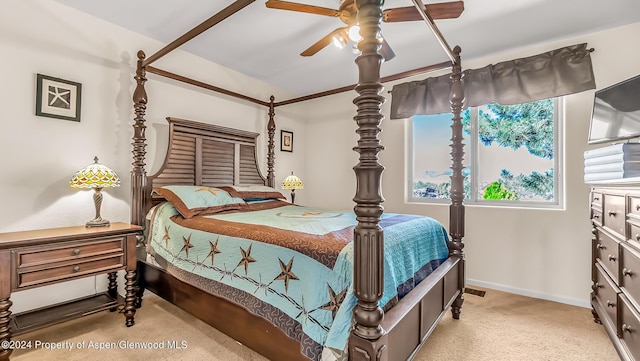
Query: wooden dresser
[(615, 216), (42, 257)]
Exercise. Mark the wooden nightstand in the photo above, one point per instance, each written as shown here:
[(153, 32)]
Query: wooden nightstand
[(42, 257)]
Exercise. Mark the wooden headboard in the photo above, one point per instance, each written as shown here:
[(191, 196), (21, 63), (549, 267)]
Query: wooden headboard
[(208, 155)]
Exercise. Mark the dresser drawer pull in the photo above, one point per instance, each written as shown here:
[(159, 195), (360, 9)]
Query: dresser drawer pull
[(596, 198), (76, 251), (612, 213), (610, 304), (600, 246), (612, 258), (596, 216), (76, 268), (627, 272), (637, 207), (638, 237), (626, 328)]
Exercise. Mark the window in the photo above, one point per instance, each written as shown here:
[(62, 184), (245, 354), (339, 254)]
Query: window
[(512, 155)]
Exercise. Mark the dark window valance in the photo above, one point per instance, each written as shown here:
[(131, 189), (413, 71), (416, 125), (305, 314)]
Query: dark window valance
[(552, 74)]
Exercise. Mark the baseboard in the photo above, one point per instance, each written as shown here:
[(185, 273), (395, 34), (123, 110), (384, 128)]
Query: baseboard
[(529, 293)]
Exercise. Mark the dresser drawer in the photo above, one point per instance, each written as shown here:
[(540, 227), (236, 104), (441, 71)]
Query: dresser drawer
[(596, 216), (634, 206), (68, 251), (629, 327), (68, 270), (596, 199), (634, 232), (607, 253), (630, 271), (606, 293), (614, 215)]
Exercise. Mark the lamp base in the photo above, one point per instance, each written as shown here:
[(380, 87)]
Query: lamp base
[(98, 222)]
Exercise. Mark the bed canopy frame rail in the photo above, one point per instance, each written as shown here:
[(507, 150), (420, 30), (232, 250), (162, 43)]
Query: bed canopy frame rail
[(372, 331)]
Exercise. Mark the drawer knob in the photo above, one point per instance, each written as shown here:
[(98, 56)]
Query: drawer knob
[(626, 328), (612, 258), (600, 246), (627, 272), (610, 304), (596, 216), (76, 251), (612, 213), (637, 207), (76, 268), (598, 285), (596, 198), (638, 237)]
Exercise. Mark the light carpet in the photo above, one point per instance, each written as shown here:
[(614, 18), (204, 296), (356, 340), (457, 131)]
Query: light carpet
[(497, 327)]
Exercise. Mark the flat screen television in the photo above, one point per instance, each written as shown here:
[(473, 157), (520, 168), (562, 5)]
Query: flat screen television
[(616, 112)]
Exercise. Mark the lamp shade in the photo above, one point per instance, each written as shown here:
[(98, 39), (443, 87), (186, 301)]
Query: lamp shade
[(95, 175), (292, 182)]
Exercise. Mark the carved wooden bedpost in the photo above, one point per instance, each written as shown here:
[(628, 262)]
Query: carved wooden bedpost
[(271, 130), (138, 173), (456, 215), (368, 339)]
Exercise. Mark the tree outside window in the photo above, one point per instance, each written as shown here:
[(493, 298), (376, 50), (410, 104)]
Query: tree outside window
[(510, 154)]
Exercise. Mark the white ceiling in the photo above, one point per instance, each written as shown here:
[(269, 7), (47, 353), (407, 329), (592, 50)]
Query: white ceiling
[(266, 43)]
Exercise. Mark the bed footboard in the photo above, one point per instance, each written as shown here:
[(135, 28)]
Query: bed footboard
[(409, 323)]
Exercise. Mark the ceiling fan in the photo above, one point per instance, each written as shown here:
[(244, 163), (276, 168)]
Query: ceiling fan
[(347, 13)]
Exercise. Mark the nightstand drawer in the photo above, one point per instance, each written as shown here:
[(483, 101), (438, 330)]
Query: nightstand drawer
[(68, 251), (68, 270), (629, 328), (606, 294), (607, 253)]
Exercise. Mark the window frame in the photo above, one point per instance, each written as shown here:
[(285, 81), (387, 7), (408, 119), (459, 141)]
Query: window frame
[(474, 146)]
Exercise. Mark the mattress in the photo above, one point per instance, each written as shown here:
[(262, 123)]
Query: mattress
[(292, 265)]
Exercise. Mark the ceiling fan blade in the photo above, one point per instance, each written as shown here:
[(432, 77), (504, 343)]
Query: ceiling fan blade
[(386, 51), (320, 44), (303, 8), (450, 10)]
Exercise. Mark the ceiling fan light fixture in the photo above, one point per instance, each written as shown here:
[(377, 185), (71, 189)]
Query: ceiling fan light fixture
[(347, 12), (354, 33), (339, 41)]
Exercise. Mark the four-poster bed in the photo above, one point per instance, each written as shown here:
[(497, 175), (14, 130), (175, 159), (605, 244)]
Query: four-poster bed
[(211, 156)]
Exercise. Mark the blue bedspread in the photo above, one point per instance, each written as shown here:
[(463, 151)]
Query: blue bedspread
[(294, 265)]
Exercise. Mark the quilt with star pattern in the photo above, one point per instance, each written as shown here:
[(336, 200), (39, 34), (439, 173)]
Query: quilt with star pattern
[(292, 265)]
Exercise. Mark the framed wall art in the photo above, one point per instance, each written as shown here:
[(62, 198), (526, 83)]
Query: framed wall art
[(58, 98), (286, 141)]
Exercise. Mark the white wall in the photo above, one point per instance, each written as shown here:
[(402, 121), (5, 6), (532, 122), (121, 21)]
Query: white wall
[(541, 253), (39, 154)]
